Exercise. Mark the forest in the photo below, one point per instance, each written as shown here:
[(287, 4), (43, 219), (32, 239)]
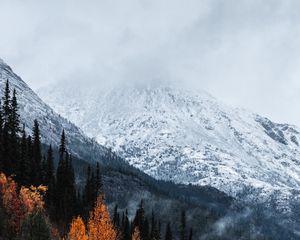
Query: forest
[(42, 200)]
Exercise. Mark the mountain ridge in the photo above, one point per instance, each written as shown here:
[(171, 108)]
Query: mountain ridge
[(188, 137)]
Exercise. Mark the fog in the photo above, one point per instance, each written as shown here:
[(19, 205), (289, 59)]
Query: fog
[(246, 53)]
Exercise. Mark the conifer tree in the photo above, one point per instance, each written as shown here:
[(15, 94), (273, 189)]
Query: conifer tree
[(6, 103), (36, 167), (65, 197), (183, 226), (1, 137), (35, 227), (14, 117), (50, 178), (168, 232), (116, 217), (191, 234), (23, 173), (98, 180), (126, 227)]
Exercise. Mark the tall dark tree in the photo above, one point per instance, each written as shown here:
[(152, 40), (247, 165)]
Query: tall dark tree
[(168, 235), (6, 103), (14, 116), (191, 234), (23, 173), (126, 227), (36, 166), (183, 226), (116, 217), (50, 178), (65, 197), (139, 221), (98, 180), (1, 137)]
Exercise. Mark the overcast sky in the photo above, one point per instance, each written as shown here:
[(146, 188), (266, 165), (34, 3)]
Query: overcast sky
[(244, 52)]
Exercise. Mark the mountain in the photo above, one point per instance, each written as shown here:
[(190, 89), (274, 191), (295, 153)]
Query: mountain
[(188, 137), (212, 213), (51, 124), (123, 185)]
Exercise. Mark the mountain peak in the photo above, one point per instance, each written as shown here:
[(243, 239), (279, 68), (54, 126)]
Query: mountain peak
[(188, 136)]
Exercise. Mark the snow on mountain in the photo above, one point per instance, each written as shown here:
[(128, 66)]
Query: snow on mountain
[(51, 124), (187, 137)]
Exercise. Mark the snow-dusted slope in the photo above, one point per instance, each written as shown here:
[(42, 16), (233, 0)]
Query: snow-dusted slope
[(188, 137), (51, 124)]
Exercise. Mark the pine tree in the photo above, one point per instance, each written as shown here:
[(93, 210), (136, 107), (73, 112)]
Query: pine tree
[(29, 158), (6, 103), (14, 117), (1, 137), (35, 227), (65, 197), (168, 232), (50, 178), (37, 155), (191, 234), (98, 180), (126, 227), (116, 217), (183, 226), (23, 172)]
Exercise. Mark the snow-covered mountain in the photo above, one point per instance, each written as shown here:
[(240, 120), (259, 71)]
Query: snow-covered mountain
[(51, 123), (188, 137)]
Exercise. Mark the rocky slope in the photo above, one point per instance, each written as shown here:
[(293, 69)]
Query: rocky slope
[(188, 137), (51, 124)]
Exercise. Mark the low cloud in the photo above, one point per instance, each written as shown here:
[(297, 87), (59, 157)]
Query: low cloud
[(243, 52)]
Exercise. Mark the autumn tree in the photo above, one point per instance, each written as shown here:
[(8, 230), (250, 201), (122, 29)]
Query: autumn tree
[(77, 230), (19, 205), (100, 226)]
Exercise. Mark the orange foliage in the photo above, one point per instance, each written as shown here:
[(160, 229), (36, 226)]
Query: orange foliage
[(32, 198), (77, 230), (19, 205), (99, 225), (11, 202)]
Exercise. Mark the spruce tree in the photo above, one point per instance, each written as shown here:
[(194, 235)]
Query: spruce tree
[(191, 234), (50, 179), (24, 164), (35, 227), (14, 116), (116, 217), (126, 227), (36, 170), (1, 137), (168, 235), (183, 226), (6, 103), (65, 197)]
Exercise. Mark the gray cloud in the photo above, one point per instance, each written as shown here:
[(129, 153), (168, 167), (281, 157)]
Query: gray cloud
[(246, 53)]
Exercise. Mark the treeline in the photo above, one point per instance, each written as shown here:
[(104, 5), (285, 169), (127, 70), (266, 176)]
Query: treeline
[(64, 210)]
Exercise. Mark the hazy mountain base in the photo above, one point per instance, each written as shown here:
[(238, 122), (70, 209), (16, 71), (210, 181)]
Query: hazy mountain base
[(211, 213)]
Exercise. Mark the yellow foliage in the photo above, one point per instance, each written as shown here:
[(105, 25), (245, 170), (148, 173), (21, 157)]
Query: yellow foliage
[(77, 230), (20, 204), (99, 225), (32, 198)]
